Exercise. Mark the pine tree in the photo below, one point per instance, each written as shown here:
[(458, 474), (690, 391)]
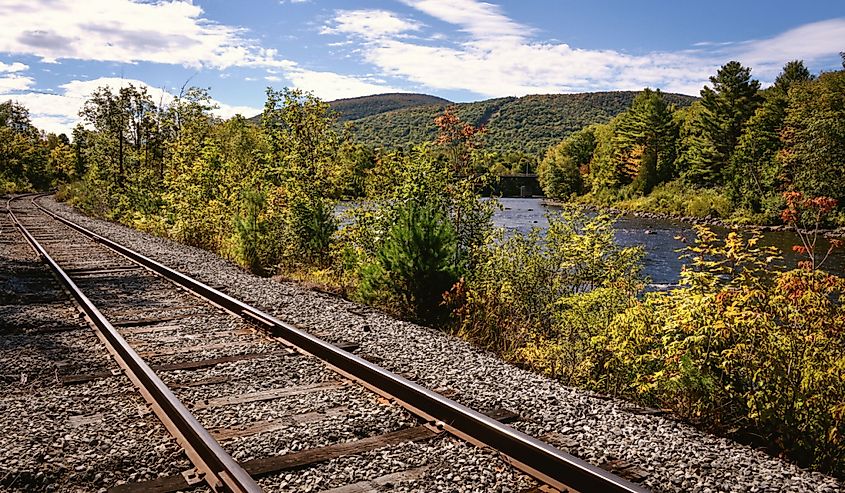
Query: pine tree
[(813, 154), (646, 139), (755, 173), (414, 265), (793, 72), (724, 110)]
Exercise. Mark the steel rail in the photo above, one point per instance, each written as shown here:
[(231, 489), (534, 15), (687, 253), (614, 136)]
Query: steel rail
[(214, 465), (539, 459)]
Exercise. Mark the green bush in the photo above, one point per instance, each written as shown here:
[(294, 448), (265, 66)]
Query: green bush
[(258, 234), (674, 197), (414, 265), (310, 223), (523, 300), (708, 202)]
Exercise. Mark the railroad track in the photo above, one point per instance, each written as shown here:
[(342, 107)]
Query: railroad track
[(199, 358)]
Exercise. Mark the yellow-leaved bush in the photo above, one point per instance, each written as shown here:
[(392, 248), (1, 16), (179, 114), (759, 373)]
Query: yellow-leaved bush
[(742, 347)]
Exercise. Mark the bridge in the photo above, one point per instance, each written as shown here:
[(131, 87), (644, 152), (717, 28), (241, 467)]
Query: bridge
[(516, 185)]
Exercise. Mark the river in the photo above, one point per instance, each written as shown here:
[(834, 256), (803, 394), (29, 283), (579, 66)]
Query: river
[(656, 236)]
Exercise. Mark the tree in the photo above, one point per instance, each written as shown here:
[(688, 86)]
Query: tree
[(718, 124), (793, 72), (561, 169), (813, 154), (81, 138), (458, 140), (415, 264), (15, 117), (755, 175), (301, 131), (126, 143), (646, 137), (22, 151)]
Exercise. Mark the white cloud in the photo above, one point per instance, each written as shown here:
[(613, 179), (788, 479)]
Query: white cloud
[(60, 112), (15, 82), (49, 112), (228, 111), (173, 32), (509, 67), (481, 20), (13, 67), (814, 41), (369, 23), (500, 57), (330, 85), (11, 81)]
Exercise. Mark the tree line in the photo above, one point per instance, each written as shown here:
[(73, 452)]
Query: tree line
[(731, 154), (31, 159)]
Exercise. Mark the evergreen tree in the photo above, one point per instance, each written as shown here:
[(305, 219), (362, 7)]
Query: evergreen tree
[(724, 110), (755, 174), (415, 263), (793, 72), (646, 139)]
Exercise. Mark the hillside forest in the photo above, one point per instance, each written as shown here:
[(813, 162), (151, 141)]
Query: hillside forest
[(742, 347), (517, 131)]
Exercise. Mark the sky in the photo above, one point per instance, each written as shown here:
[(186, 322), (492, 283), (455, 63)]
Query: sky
[(54, 53)]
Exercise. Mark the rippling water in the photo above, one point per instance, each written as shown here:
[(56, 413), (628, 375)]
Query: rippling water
[(657, 236)]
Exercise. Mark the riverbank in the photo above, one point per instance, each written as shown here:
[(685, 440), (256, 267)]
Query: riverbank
[(705, 221)]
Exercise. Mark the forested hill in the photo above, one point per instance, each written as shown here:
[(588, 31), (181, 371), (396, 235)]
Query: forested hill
[(364, 106), (528, 124)]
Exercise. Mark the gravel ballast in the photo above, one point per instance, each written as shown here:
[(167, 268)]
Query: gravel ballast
[(79, 438), (677, 457)]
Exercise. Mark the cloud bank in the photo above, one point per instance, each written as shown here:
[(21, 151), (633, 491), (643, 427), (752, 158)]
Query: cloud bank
[(421, 46), (172, 32), (497, 56)]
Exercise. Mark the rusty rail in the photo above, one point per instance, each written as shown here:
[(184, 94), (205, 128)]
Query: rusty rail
[(214, 466)]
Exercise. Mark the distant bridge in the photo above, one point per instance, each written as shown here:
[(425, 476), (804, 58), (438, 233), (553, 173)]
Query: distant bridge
[(517, 185)]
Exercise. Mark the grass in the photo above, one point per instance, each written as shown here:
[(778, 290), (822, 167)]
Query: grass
[(672, 198)]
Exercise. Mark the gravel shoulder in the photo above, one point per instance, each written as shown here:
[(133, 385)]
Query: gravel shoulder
[(677, 457)]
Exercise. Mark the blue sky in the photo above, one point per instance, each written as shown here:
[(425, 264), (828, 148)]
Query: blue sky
[(54, 53)]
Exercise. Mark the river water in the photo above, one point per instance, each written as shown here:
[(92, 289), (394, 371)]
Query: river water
[(656, 236)]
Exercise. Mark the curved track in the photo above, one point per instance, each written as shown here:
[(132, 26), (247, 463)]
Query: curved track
[(154, 319)]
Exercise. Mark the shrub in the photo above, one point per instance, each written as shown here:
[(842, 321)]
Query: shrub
[(707, 202), (310, 223), (414, 265), (258, 234), (524, 299), (743, 348), (674, 197)]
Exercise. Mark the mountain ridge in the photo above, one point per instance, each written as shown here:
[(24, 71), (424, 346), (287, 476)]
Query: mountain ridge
[(363, 106), (528, 124), (515, 125)]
